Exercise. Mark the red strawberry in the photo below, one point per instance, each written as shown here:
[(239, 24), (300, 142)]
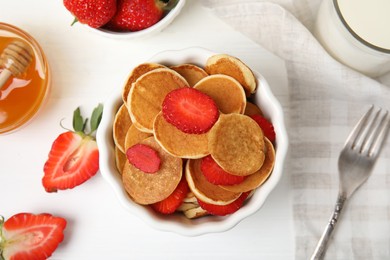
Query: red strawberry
[(74, 156), (144, 157), (136, 15), (95, 13), (29, 236), (190, 110), (170, 204), (223, 210), (216, 175), (266, 126)]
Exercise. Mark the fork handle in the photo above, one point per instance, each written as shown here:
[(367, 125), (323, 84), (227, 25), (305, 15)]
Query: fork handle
[(322, 245)]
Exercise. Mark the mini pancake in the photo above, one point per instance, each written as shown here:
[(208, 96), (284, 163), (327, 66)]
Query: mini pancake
[(236, 143), (190, 72), (253, 181), (122, 122), (120, 159), (227, 93), (204, 190), (135, 74), (134, 136), (145, 188), (147, 95), (232, 66), (252, 109), (178, 143)]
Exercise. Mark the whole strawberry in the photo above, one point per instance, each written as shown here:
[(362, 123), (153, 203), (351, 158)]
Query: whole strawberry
[(95, 13), (136, 15), (74, 155)]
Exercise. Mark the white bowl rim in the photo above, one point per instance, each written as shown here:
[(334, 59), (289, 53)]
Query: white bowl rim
[(157, 27), (219, 224)]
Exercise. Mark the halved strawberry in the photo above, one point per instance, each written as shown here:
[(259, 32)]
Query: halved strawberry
[(30, 236), (144, 157), (216, 175), (170, 204), (223, 210), (190, 110), (74, 156), (266, 126)]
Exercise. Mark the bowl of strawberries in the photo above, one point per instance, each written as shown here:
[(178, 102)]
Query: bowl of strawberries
[(193, 142), (125, 18)]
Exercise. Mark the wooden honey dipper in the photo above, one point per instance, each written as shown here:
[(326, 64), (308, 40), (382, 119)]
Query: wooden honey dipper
[(14, 60)]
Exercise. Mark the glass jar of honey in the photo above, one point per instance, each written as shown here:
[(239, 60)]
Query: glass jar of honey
[(22, 94)]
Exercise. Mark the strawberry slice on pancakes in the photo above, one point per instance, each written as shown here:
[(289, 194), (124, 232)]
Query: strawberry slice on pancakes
[(216, 175), (190, 110), (30, 236), (173, 201), (266, 126), (74, 155), (223, 210)]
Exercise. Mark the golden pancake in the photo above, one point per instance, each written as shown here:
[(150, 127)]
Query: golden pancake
[(252, 109), (227, 93), (120, 159), (190, 72), (178, 143), (122, 122), (236, 143), (253, 181), (135, 74), (147, 95), (232, 66), (147, 188), (134, 136), (204, 190)]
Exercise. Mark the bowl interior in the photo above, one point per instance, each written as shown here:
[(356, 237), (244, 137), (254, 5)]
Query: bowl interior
[(179, 223)]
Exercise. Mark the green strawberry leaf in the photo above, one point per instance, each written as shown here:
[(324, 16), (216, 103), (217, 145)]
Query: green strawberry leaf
[(96, 117), (78, 121)]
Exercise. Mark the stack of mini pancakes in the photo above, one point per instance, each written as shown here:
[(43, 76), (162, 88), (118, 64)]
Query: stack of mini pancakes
[(236, 142)]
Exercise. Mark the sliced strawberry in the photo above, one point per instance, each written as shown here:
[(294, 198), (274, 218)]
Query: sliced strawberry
[(216, 175), (144, 157), (73, 159), (266, 126), (223, 210), (190, 110), (30, 236), (74, 156), (170, 204)]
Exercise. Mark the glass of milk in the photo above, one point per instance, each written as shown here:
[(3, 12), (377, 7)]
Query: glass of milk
[(357, 33)]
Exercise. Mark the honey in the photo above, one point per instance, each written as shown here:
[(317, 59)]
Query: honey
[(22, 96)]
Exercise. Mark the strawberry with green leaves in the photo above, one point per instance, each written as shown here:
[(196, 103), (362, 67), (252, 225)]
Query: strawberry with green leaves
[(95, 13), (74, 155), (136, 15), (30, 236)]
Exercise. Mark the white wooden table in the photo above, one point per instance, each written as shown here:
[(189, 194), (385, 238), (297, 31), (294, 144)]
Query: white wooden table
[(85, 68)]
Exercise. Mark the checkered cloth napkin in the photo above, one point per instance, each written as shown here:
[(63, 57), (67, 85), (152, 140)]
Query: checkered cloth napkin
[(326, 100)]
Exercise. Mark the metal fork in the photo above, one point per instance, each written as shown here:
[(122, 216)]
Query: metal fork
[(356, 161)]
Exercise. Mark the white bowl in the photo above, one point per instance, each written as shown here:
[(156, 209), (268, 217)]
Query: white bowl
[(158, 27), (179, 223)]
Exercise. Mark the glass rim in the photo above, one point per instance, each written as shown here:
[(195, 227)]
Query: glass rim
[(354, 34)]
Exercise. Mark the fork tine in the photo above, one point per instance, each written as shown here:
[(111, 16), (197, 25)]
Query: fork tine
[(380, 135), (371, 131), (358, 129)]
